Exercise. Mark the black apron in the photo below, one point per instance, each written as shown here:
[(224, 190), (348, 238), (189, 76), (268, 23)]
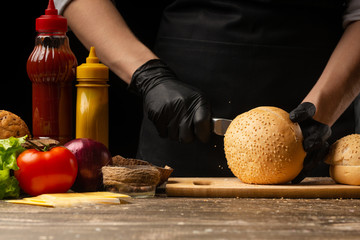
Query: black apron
[(357, 114), (242, 54)]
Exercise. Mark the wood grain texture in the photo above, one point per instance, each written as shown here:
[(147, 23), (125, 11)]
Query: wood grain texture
[(186, 218)]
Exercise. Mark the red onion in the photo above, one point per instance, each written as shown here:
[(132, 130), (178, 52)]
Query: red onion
[(91, 157)]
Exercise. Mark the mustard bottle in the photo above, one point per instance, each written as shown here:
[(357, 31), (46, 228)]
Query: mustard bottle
[(92, 101)]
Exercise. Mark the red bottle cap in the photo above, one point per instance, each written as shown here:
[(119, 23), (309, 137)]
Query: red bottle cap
[(51, 21)]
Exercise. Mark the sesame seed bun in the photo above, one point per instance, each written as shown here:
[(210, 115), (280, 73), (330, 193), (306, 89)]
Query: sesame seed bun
[(349, 175), (344, 160), (263, 146)]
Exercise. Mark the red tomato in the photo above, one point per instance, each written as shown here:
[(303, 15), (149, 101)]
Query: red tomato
[(41, 172)]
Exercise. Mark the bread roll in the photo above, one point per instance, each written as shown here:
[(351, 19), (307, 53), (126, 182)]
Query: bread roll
[(263, 146), (344, 160), (12, 125), (345, 174)]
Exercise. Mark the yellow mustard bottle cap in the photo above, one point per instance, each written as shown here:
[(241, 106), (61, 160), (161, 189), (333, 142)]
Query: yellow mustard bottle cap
[(92, 68)]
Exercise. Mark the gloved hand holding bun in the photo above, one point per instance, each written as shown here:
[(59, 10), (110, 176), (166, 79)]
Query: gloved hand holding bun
[(315, 136)]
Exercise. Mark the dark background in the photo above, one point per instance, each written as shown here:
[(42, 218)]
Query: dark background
[(15, 87), (125, 109)]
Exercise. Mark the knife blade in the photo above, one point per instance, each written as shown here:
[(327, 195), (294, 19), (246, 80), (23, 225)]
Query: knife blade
[(220, 125)]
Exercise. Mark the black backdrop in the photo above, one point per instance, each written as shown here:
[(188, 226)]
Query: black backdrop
[(15, 86), (18, 33)]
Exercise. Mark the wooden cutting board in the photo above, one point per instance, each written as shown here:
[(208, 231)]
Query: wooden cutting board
[(233, 187)]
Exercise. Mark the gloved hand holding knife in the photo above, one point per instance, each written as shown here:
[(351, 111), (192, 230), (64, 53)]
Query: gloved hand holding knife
[(179, 111)]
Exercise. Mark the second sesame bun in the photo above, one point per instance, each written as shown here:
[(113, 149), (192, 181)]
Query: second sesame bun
[(344, 160), (349, 175), (263, 146)]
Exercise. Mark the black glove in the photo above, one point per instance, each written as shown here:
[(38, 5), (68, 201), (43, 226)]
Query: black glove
[(315, 135), (178, 111)]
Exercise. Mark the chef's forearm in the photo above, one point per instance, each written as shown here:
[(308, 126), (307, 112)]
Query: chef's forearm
[(339, 83), (98, 23)]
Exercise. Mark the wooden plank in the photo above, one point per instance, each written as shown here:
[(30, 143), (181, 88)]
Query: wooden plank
[(233, 187), (186, 218)]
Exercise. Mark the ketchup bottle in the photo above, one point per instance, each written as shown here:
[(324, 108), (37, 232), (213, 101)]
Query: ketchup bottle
[(51, 68)]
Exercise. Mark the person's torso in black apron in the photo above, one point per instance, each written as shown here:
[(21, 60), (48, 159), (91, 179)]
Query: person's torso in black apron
[(241, 54)]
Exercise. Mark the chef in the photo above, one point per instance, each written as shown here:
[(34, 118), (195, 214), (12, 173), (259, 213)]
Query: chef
[(220, 58)]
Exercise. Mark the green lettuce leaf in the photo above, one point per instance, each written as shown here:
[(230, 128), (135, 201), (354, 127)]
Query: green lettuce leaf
[(9, 150), (9, 186)]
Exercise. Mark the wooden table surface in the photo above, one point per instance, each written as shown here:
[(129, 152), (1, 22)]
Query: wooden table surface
[(186, 218)]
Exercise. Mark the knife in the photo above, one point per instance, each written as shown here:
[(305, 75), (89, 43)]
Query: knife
[(220, 125)]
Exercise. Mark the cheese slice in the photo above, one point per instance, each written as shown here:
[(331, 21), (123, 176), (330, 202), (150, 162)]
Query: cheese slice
[(20, 201), (73, 199)]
